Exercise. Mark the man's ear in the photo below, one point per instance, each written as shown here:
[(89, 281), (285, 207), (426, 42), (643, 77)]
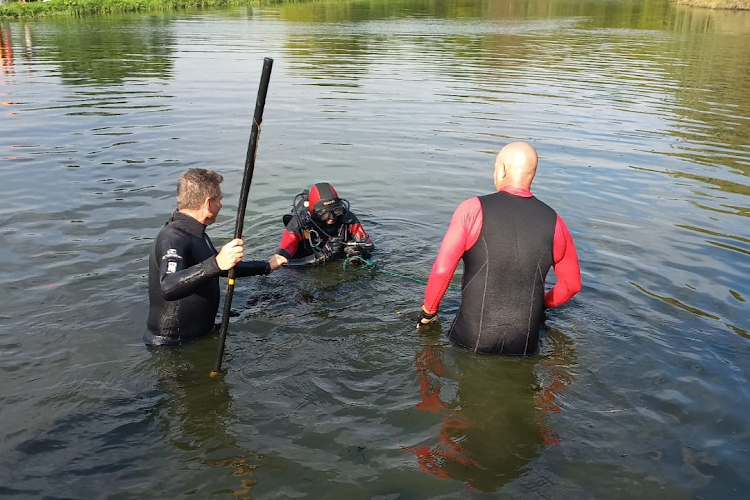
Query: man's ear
[(500, 172), (206, 203)]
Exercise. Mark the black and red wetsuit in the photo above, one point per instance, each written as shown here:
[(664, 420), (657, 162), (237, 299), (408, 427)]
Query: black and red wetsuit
[(183, 282), (302, 250), (508, 241)]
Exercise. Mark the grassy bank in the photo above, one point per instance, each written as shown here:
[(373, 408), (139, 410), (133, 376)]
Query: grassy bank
[(16, 10), (717, 4)]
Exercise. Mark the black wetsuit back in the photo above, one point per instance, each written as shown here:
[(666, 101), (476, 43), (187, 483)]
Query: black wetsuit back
[(502, 298)]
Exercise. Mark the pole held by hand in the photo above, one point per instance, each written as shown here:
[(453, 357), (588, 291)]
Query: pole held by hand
[(247, 179)]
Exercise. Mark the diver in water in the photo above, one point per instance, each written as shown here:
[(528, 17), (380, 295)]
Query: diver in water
[(321, 228)]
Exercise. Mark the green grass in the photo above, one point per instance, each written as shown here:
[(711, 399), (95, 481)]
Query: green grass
[(717, 4), (17, 10)]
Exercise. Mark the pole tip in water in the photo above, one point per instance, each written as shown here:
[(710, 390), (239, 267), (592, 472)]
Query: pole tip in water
[(214, 373)]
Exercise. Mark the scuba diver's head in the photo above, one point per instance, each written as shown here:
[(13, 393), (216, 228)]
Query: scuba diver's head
[(325, 204)]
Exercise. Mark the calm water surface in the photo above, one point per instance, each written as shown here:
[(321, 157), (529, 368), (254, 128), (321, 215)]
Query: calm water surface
[(641, 114)]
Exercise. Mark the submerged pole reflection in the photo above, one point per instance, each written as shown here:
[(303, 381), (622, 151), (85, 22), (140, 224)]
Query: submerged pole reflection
[(195, 412)]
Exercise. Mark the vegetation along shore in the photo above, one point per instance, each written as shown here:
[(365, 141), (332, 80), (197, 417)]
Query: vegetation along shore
[(717, 4), (15, 9)]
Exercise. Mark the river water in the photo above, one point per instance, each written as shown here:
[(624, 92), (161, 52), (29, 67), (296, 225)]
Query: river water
[(640, 112)]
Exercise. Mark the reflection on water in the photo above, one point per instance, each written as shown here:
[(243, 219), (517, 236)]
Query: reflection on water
[(712, 100), (90, 53), (641, 114), (489, 412), (490, 427), (194, 414)]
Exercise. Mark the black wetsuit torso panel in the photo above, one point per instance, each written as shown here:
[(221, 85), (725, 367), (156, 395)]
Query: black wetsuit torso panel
[(502, 299)]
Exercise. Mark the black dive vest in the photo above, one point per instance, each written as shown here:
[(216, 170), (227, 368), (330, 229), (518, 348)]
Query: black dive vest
[(502, 296)]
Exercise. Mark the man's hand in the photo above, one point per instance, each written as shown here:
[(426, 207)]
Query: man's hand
[(425, 317), (359, 248), (352, 250), (230, 254), (277, 261)]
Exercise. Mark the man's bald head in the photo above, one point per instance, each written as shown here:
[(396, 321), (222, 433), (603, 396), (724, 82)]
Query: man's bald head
[(515, 166)]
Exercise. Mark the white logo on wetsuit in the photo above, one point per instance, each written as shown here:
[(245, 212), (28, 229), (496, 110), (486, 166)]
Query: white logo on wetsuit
[(172, 255)]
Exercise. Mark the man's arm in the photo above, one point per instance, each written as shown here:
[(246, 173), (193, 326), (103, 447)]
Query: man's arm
[(463, 232), (290, 241), (358, 231), (565, 264), (252, 268), (258, 267), (362, 244), (176, 280)]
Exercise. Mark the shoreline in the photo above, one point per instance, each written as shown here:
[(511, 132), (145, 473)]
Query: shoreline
[(14, 9), (79, 8), (715, 4)]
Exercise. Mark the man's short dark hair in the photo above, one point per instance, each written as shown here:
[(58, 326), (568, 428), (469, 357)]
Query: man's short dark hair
[(195, 185)]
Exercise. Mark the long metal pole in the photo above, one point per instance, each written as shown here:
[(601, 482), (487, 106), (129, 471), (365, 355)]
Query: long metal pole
[(247, 179)]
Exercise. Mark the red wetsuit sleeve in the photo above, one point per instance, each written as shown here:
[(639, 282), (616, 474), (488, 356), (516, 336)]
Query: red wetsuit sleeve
[(463, 232), (358, 233), (565, 264), (289, 243)]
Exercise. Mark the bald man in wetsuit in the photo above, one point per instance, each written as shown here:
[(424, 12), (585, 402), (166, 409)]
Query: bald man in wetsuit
[(508, 241), (184, 266)]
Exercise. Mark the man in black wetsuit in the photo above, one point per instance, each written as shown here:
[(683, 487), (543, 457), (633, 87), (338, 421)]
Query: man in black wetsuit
[(321, 228), (184, 266)]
